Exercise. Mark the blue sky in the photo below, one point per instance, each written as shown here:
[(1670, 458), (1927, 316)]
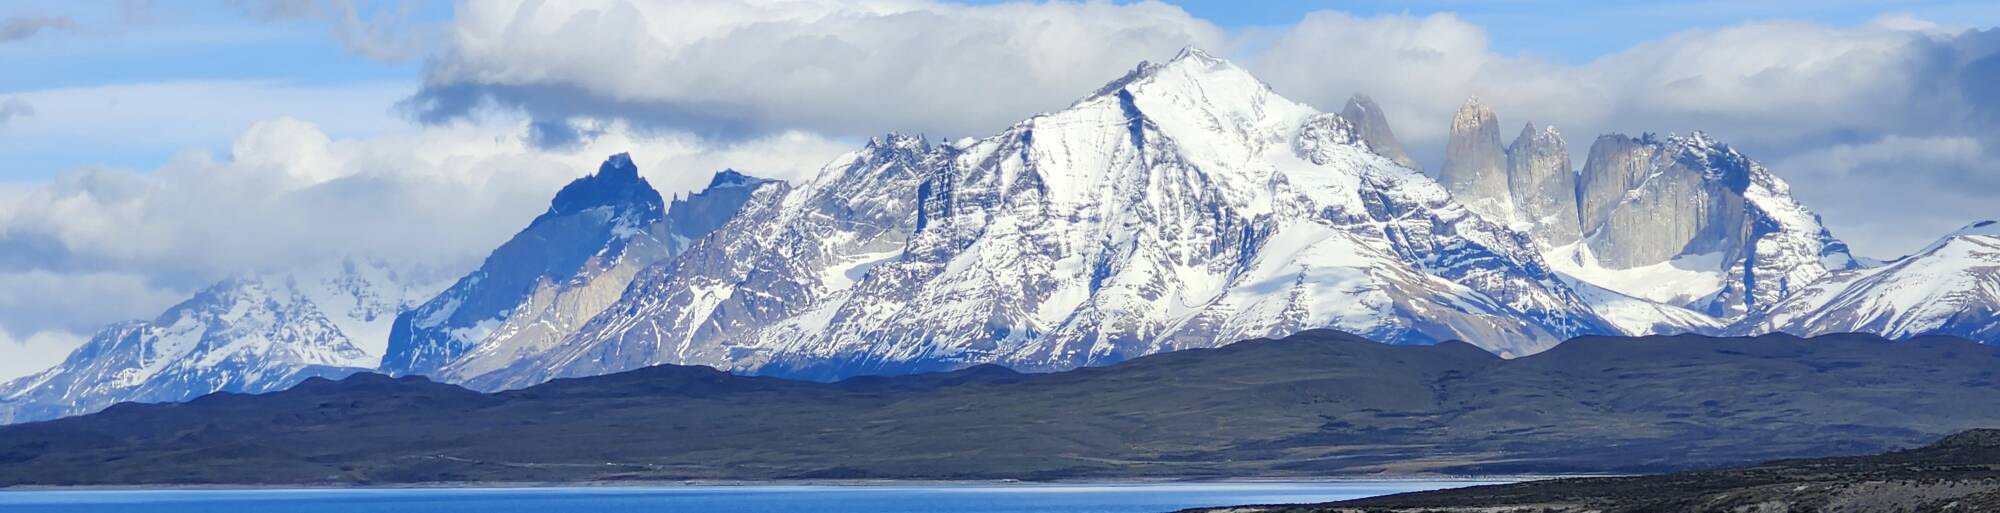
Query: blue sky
[(136, 43), (129, 42), (1580, 30)]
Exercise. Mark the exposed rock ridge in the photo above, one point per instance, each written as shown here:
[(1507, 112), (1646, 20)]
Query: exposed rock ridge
[(1373, 127)]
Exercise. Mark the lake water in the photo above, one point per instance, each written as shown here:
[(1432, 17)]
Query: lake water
[(1108, 498)]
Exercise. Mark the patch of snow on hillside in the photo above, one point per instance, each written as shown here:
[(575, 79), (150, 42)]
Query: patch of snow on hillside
[(1676, 282)]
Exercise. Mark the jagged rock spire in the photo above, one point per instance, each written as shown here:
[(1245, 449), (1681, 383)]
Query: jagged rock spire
[(616, 184), (591, 222), (1543, 185), (1475, 165), (1373, 126)]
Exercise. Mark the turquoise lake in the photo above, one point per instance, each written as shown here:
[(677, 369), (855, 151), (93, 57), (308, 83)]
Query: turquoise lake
[(1026, 498)]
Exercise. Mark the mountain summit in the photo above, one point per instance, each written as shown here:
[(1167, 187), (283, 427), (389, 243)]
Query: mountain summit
[(616, 185), (565, 267), (1951, 287), (1475, 165)]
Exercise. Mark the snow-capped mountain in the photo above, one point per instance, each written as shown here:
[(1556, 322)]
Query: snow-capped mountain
[(568, 265), (1951, 287), (1183, 205), (247, 334)]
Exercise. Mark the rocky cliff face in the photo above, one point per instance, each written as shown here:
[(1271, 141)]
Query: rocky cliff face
[(593, 223), (1475, 165), (565, 268), (1543, 185), (555, 309), (1728, 228), (1373, 128), (1649, 201), (791, 248), (1527, 185), (1703, 233)]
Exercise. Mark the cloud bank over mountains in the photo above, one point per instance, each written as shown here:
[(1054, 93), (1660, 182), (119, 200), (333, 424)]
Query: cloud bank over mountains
[(518, 97), (102, 245), (1782, 90), (844, 69)]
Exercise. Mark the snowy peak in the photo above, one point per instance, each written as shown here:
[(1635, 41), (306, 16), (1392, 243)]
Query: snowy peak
[(1980, 230), (728, 178), (1191, 53), (248, 333), (1188, 57), (1538, 139), (1321, 132), (1952, 287), (1717, 161), (897, 141), (698, 214), (1201, 82), (888, 159)]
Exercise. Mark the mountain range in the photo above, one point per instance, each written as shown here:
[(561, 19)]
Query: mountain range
[(1184, 205)]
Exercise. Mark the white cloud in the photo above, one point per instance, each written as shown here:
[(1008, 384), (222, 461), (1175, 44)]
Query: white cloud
[(1931, 156), (78, 301), (288, 195), (1892, 112), (385, 33), (35, 353), (14, 108), (16, 28), (195, 113), (1951, 178), (1775, 89), (141, 125), (1769, 84), (843, 68)]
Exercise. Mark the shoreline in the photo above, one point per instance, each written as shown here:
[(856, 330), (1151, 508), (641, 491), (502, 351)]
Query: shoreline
[(801, 483)]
